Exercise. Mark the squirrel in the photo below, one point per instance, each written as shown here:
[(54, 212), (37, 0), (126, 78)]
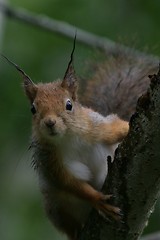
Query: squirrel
[(71, 143)]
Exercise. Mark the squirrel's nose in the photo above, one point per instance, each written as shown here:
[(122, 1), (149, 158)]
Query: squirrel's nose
[(50, 123)]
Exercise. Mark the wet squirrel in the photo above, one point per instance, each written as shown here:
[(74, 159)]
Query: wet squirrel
[(71, 143)]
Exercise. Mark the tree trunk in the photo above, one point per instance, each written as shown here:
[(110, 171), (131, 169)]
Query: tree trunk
[(134, 175)]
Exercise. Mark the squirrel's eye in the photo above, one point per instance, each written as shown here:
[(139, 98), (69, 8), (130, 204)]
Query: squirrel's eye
[(68, 105), (33, 109)]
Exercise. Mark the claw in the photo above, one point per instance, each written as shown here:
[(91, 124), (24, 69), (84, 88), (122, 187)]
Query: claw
[(108, 210), (121, 221), (107, 197), (120, 213), (104, 216)]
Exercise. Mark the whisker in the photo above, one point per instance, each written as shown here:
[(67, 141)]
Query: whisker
[(15, 166)]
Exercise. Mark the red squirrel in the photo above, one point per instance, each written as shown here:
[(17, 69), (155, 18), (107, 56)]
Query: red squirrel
[(71, 143)]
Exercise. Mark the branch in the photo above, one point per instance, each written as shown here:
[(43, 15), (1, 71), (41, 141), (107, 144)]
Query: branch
[(153, 236), (55, 26), (134, 176), (1, 26), (66, 30)]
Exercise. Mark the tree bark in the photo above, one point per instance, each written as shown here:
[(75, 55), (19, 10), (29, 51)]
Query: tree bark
[(134, 175)]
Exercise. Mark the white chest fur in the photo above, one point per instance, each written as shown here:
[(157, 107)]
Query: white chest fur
[(86, 161)]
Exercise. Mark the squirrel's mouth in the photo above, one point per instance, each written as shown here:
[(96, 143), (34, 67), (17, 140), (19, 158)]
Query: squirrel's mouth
[(52, 133), (49, 132)]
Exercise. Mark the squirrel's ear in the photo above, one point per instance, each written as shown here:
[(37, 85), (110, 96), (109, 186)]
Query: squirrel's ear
[(29, 86), (70, 80)]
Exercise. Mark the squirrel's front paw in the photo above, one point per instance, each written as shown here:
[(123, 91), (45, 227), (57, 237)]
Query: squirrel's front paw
[(107, 209)]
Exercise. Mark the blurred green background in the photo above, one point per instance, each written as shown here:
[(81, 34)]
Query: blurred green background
[(44, 56)]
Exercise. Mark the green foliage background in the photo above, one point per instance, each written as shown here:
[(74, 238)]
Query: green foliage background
[(44, 57)]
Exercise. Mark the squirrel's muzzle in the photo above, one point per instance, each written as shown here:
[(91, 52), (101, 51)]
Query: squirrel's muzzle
[(50, 123)]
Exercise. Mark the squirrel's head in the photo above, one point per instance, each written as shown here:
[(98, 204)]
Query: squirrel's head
[(52, 104)]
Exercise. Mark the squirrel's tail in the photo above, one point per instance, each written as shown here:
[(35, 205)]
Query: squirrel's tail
[(117, 83)]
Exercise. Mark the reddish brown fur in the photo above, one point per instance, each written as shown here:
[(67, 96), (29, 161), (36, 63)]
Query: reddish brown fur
[(107, 91), (50, 106)]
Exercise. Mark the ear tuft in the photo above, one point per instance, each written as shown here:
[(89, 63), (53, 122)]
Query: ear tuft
[(29, 86), (30, 90), (70, 80)]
